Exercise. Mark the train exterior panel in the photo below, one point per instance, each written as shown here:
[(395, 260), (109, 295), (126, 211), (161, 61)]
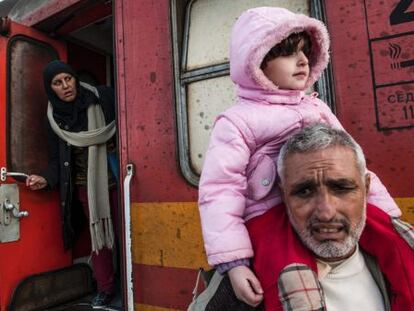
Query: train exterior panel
[(371, 50), (167, 247)]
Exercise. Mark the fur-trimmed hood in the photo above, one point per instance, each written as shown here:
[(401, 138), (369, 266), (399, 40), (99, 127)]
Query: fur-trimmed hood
[(257, 31)]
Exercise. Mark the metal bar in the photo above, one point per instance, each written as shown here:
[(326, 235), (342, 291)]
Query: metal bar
[(180, 93), (210, 70), (205, 77), (186, 35), (128, 244), (4, 173), (325, 84), (15, 174)]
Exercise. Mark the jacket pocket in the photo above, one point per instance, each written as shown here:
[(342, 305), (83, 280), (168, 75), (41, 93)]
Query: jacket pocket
[(261, 179)]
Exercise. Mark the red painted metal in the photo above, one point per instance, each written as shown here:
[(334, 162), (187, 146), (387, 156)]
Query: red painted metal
[(146, 123), (164, 287), (40, 247), (374, 92), (46, 10), (146, 104), (88, 16)]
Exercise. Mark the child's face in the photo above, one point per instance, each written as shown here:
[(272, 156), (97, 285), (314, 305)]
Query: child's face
[(288, 72)]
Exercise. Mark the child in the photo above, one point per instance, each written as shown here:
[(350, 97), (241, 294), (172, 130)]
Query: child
[(275, 55)]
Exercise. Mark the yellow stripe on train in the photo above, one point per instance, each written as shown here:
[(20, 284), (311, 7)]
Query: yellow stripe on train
[(407, 207), (169, 234)]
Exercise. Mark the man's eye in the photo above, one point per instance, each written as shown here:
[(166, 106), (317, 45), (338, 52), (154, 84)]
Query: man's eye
[(342, 188), (303, 192)]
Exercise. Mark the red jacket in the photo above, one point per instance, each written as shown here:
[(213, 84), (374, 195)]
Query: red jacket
[(276, 245)]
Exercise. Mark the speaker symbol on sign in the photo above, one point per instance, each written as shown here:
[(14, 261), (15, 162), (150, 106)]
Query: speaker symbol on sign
[(395, 52)]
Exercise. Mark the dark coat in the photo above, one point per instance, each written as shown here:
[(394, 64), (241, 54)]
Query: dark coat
[(59, 170)]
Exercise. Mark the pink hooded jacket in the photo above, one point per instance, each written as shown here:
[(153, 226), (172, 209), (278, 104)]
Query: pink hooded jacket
[(239, 177)]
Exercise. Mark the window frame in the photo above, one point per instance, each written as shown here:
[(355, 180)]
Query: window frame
[(324, 86), (55, 55)]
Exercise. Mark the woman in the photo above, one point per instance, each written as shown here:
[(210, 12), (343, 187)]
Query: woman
[(81, 131)]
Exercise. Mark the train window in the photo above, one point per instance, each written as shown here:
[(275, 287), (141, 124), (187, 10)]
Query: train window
[(201, 112), (208, 43), (201, 65), (26, 104)]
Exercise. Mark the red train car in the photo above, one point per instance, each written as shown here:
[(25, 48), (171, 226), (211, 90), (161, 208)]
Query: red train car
[(168, 61)]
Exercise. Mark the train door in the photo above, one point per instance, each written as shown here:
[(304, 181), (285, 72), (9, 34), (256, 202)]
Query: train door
[(30, 226)]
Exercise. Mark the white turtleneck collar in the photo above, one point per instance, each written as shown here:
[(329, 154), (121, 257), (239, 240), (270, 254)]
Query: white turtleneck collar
[(348, 285)]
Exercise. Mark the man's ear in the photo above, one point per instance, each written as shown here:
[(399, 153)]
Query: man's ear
[(367, 182)]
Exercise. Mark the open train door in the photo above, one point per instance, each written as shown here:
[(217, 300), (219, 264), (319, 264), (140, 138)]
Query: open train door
[(30, 225)]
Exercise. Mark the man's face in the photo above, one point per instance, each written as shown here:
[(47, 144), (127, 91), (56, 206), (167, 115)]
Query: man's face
[(325, 196)]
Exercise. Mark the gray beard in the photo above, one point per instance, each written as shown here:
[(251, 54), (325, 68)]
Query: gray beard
[(331, 249)]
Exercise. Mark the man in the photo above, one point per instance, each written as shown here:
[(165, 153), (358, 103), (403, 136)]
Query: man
[(326, 248)]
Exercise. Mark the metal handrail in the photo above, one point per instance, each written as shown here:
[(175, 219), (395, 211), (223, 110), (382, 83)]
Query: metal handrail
[(128, 243), (4, 173)]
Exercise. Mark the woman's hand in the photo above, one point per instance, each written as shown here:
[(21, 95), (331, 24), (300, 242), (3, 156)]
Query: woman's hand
[(36, 182), (246, 286)]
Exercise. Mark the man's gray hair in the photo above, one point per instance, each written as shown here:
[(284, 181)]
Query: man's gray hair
[(318, 137)]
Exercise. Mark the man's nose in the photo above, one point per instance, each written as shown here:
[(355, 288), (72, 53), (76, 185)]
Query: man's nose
[(64, 84), (325, 206)]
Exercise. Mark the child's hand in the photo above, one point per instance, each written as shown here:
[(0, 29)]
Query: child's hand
[(245, 285)]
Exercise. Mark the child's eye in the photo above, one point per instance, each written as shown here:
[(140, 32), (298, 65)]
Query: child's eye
[(306, 51)]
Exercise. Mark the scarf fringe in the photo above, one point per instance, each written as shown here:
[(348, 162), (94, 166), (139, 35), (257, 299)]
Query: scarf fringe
[(102, 235)]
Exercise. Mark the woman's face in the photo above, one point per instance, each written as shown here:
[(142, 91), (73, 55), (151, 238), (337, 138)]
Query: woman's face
[(64, 85)]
